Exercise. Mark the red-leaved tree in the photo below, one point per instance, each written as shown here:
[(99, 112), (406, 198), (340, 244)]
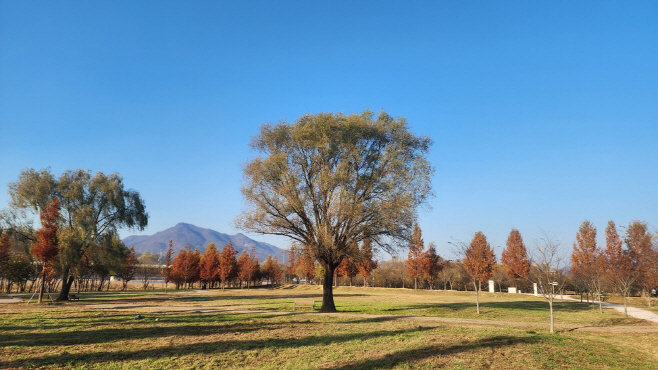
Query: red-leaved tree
[(291, 265), (185, 268), (246, 270), (228, 265), (515, 257), (306, 267), (209, 266), (638, 242), (366, 263), (586, 261), (618, 264), (479, 262), (47, 245), (431, 264), (414, 260), (271, 270)]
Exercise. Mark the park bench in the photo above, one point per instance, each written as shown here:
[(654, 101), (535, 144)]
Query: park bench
[(570, 292), (73, 297), (304, 303)]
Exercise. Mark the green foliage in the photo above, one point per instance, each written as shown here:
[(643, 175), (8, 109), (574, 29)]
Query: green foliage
[(91, 208), (18, 270), (330, 180)]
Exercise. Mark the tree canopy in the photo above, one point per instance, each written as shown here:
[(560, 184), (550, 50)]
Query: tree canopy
[(91, 209), (329, 180)]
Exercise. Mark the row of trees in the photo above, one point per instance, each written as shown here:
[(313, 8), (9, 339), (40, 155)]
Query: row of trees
[(213, 268), (625, 265)]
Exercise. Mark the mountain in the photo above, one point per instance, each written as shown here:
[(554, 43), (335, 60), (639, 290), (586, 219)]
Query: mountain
[(196, 237)]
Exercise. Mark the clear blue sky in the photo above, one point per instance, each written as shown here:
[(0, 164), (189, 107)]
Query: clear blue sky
[(543, 114)]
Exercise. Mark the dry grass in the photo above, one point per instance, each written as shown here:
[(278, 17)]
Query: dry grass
[(81, 335)]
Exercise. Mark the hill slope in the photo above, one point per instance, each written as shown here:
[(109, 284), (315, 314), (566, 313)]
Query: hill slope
[(196, 237)]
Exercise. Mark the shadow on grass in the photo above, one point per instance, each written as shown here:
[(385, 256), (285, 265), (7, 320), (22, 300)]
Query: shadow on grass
[(418, 354), (375, 319), (514, 305), (216, 347), (263, 297), (129, 331)]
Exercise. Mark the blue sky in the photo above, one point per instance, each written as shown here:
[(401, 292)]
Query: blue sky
[(543, 114)]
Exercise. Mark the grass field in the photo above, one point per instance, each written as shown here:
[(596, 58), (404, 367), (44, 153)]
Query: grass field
[(378, 328)]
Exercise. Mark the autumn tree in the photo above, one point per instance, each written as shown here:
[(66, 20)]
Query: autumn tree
[(90, 206), (127, 270), (348, 268), (515, 257), (227, 264), (366, 263), (291, 265), (619, 265), (246, 268), (479, 261), (209, 267), (431, 264), (330, 180), (47, 245), (166, 270), (414, 259), (185, 267), (306, 267), (638, 242), (586, 261), (271, 270)]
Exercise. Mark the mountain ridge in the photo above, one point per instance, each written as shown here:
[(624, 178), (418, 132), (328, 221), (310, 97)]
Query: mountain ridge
[(183, 234)]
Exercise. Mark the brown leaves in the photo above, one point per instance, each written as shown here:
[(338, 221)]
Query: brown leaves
[(480, 258), (515, 256), (46, 247)]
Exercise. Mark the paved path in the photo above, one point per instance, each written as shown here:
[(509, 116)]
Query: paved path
[(5, 299), (635, 312)]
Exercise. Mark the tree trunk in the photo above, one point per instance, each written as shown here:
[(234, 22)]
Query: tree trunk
[(550, 304), (477, 295), (648, 293), (327, 289), (43, 285), (600, 304), (67, 281)]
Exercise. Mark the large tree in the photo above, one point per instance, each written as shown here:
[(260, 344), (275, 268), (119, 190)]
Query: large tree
[(91, 207), (330, 180)]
